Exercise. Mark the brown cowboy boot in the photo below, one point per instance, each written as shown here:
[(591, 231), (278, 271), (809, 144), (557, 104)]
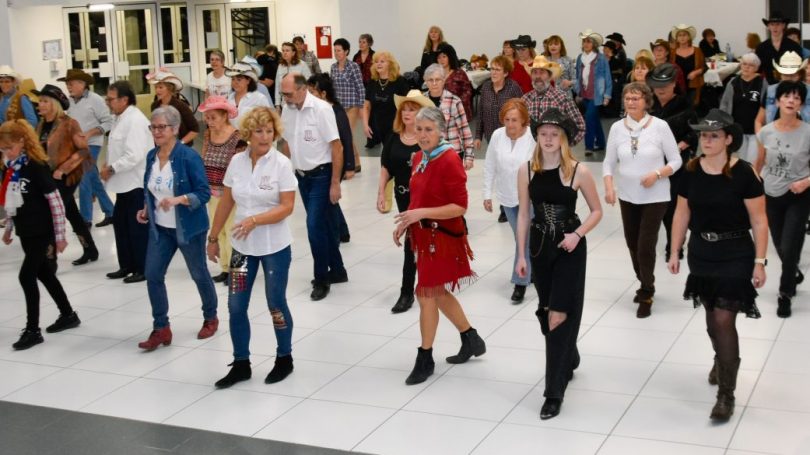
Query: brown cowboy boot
[(727, 380)]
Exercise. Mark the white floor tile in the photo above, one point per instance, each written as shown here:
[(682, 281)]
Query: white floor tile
[(18, 375), (306, 378), (770, 431), (618, 445), (517, 333), (612, 374), (326, 424), (400, 354), (150, 400), (199, 366), (782, 391), (520, 439), (690, 382), (789, 357), (524, 366), (472, 398), (626, 343), (372, 387), (373, 321), (68, 389), (697, 350), (338, 347), (59, 349), (582, 410), (127, 359)]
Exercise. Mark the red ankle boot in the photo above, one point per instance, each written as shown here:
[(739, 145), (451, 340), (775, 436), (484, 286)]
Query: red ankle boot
[(209, 328), (156, 338)]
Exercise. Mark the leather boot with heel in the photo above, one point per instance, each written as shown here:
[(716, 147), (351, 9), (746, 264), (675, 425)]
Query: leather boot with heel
[(727, 382), (423, 368), (281, 369), (156, 338), (240, 371), (471, 345)]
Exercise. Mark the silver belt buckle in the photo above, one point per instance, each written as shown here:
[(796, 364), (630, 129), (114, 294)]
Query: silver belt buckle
[(401, 189), (710, 236), (300, 172)]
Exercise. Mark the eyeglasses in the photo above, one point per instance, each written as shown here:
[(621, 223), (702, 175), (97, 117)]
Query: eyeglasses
[(632, 99), (158, 128), (287, 94), (433, 81)]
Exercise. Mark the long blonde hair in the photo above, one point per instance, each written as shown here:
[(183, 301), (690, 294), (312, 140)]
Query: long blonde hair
[(428, 42), (15, 130), (567, 159)]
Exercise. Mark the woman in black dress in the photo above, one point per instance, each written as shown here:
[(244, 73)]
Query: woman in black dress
[(557, 246), (396, 163), (379, 109), (719, 200)]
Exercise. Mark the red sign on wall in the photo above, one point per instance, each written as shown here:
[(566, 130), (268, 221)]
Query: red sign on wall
[(323, 41)]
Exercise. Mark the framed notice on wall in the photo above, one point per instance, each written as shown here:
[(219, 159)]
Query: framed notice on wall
[(52, 49)]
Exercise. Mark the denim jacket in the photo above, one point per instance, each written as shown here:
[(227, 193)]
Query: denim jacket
[(602, 80), (189, 180), (771, 108)]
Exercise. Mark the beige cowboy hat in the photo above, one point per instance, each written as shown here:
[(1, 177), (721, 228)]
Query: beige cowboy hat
[(165, 76), (790, 63), (414, 96), (588, 33), (242, 69), (7, 71), (684, 28), (541, 62)]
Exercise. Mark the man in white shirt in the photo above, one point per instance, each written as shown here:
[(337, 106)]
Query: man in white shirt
[(130, 140), (313, 145)]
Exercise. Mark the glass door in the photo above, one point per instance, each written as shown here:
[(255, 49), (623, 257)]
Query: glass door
[(90, 44), (136, 54), (249, 26), (211, 33), (175, 43)]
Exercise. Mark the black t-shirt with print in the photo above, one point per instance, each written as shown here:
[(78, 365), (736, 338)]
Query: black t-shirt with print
[(34, 219)]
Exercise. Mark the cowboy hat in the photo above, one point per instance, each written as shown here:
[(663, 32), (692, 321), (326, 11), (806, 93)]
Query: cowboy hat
[(541, 62), (523, 41), (52, 91), (554, 116), (242, 69), (165, 76), (717, 120), (776, 16), (588, 33), (414, 96), (616, 36), (662, 75), (213, 103), (7, 71), (660, 42), (789, 63), (684, 28), (77, 75), (253, 63)]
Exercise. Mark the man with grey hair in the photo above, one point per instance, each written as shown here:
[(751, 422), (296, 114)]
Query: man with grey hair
[(313, 145), (545, 96)]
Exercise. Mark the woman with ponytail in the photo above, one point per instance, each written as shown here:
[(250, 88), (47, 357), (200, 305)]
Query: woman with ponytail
[(721, 200), (30, 197)]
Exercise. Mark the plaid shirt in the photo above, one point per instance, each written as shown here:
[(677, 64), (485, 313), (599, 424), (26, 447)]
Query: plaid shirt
[(489, 106), (57, 213), (349, 87), (458, 132), (554, 97)]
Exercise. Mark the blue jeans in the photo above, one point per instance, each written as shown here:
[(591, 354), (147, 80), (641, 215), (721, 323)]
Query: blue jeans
[(276, 272), (91, 186), (323, 221), (511, 217), (159, 255), (594, 135)]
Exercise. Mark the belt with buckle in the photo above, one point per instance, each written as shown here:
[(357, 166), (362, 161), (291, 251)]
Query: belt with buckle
[(718, 236), (402, 189), (313, 171)]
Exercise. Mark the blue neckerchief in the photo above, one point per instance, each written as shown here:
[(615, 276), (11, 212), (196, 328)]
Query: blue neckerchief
[(427, 156)]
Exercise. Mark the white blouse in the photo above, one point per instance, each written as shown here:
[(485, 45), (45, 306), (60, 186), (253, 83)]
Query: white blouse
[(654, 146), (161, 185), (246, 104), (257, 190), (502, 162)]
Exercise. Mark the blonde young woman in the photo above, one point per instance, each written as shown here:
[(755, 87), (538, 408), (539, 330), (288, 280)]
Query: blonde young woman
[(430, 53)]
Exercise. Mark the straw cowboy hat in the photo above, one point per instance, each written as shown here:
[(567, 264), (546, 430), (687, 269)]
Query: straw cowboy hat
[(165, 76), (588, 33), (790, 63), (242, 69), (7, 71), (77, 75), (684, 28), (414, 96), (541, 62)]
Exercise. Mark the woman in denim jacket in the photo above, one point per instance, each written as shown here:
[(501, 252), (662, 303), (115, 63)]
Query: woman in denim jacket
[(593, 87), (176, 191)]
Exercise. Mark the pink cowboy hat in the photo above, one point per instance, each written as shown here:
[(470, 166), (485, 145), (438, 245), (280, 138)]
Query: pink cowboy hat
[(218, 102)]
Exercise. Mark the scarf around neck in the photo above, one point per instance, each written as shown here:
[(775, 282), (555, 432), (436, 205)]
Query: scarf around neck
[(587, 59)]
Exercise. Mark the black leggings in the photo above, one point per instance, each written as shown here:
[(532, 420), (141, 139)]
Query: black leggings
[(73, 215), (409, 262), (39, 263)]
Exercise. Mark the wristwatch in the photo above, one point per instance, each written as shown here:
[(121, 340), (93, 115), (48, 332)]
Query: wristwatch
[(763, 261)]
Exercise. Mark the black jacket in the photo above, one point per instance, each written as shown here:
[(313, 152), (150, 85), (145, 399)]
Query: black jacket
[(678, 113)]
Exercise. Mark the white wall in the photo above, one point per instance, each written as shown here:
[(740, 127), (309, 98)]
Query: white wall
[(475, 26), (295, 17), (5, 35), (32, 26)]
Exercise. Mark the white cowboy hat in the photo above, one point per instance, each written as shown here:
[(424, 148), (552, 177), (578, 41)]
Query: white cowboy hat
[(588, 33), (790, 63), (166, 76), (242, 69), (684, 28), (7, 71)]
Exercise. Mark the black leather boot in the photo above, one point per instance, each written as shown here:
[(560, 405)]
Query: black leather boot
[(240, 371), (471, 345), (404, 303), (783, 307), (423, 368), (727, 380), (282, 368), (713, 373), (90, 253), (551, 407), (518, 294)]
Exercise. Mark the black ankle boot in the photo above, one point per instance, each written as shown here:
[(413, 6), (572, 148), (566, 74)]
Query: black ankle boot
[(64, 322), (404, 303), (423, 367), (471, 345), (727, 382), (783, 307), (240, 371), (28, 338), (551, 408), (518, 293), (282, 368), (90, 255)]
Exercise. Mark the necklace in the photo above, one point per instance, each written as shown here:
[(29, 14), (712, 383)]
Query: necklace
[(635, 134), (383, 85), (409, 137)]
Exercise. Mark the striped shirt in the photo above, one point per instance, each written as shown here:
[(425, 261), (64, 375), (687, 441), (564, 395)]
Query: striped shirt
[(348, 84)]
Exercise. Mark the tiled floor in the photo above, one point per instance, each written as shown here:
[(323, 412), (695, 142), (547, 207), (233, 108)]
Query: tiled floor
[(641, 387)]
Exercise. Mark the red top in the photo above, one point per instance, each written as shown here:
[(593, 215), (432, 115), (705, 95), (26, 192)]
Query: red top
[(522, 77), (459, 84)]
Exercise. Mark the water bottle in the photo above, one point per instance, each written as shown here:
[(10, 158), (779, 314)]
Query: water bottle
[(729, 55)]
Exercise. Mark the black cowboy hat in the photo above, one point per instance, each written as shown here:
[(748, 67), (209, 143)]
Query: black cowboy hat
[(54, 92), (717, 120), (523, 41), (662, 75), (616, 36), (77, 75), (776, 16), (611, 45), (554, 116)]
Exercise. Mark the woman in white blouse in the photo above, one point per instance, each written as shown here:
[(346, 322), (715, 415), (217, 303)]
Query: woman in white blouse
[(245, 95), (289, 63), (509, 147), (261, 184), (644, 152)]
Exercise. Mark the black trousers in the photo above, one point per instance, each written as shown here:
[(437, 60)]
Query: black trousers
[(130, 235), (787, 217), (641, 223), (39, 263), (403, 198), (73, 215)]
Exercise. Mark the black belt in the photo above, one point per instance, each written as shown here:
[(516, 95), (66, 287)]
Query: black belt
[(402, 189), (313, 171), (433, 224), (718, 236)]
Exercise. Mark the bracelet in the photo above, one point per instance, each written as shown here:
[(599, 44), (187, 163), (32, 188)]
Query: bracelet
[(253, 218), (658, 174), (577, 233), (213, 239), (187, 199)]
